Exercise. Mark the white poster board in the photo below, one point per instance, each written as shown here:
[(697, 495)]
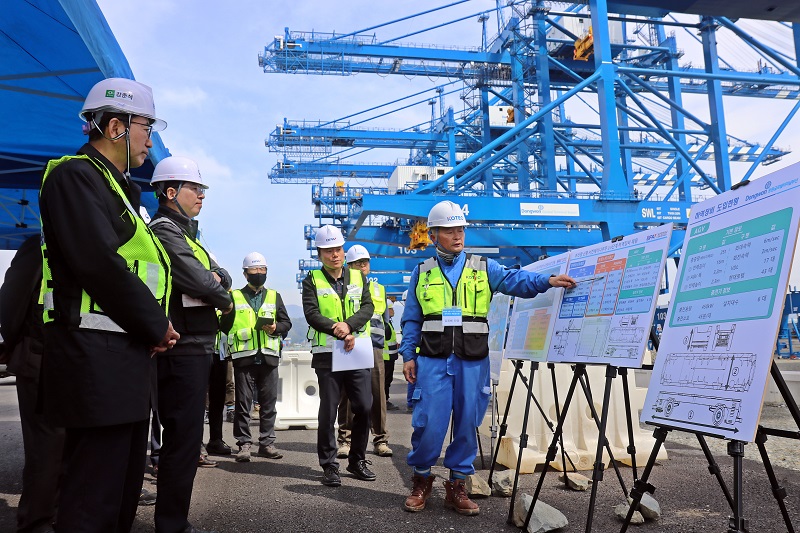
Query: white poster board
[(531, 323), (606, 318), (716, 349), (498, 324)]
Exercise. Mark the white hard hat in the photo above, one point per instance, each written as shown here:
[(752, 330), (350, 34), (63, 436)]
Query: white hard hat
[(177, 168), (329, 237), (446, 214), (254, 259), (355, 253), (121, 95), (389, 304)]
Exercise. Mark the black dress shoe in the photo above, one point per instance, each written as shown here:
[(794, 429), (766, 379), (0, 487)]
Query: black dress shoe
[(218, 447), (360, 471), (330, 476)]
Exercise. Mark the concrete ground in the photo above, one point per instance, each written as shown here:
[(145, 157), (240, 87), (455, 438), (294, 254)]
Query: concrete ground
[(286, 495)]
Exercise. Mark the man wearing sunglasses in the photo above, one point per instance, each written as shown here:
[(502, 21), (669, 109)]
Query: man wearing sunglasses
[(199, 287), (105, 288)]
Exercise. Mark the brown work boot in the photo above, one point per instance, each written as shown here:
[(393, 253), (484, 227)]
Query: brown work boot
[(456, 498), (419, 493)]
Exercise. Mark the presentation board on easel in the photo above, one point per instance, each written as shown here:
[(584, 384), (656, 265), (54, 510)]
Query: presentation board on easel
[(716, 348), (498, 323), (606, 317), (531, 323)]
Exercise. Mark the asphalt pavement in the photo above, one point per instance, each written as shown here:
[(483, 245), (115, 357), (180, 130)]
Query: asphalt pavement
[(286, 495)]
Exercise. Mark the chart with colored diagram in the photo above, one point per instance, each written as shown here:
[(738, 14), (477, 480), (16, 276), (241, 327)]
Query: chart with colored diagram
[(532, 319), (606, 318), (719, 337)]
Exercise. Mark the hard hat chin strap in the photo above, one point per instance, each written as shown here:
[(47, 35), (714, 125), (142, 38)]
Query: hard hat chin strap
[(175, 200), (127, 135)]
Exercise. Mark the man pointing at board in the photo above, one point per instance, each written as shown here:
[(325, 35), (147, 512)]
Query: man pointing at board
[(445, 319)]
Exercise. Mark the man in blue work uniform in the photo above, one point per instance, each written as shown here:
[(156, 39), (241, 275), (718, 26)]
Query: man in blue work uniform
[(445, 316)]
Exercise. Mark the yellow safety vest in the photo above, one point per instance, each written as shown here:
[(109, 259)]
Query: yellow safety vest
[(376, 325), (200, 254), (331, 306), (472, 295), (143, 253), (243, 339)]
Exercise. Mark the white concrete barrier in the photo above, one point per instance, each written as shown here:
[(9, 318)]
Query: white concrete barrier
[(580, 431), (298, 394)]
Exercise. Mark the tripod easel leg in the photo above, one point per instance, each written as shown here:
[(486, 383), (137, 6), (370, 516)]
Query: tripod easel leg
[(564, 456), (713, 468), (641, 485), (587, 390), (551, 451), (504, 424), (597, 473), (777, 491), (737, 523), (523, 442), (623, 372)]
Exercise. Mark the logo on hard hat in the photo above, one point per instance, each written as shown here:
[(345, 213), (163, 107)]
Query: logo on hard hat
[(455, 217), (110, 93), (329, 239)]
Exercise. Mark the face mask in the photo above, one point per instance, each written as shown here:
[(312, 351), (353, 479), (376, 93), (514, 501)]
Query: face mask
[(256, 280)]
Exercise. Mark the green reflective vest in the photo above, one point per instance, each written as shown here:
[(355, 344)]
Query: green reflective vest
[(390, 347), (143, 253), (472, 295), (377, 328), (243, 339), (200, 254), (331, 306)]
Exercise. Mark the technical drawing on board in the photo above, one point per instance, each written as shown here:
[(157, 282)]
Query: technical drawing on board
[(606, 318), (719, 335), (531, 322)]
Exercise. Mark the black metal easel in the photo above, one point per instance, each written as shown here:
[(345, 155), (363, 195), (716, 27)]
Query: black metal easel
[(737, 523), (528, 383), (580, 376)]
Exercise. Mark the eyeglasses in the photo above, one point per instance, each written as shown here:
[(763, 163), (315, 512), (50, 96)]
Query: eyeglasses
[(147, 127), (256, 270), (198, 190), (360, 263)]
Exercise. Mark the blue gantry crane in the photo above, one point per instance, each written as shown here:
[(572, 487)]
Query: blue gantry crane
[(572, 124)]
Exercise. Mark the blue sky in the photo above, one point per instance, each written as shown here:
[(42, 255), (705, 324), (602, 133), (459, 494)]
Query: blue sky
[(201, 59)]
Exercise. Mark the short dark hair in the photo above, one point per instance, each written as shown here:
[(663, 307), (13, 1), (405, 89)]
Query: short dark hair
[(161, 190), (96, 134)]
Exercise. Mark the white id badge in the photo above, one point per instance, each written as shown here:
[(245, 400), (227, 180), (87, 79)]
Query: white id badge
[(451, 316)]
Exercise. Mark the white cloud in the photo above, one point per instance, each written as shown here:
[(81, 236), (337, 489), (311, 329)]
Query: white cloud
[(183, 97)]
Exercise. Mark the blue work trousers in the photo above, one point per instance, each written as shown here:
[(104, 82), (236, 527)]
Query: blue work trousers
[(446, 386)]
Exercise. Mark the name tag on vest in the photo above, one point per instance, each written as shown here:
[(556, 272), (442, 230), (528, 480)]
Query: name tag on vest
[(451, 316)]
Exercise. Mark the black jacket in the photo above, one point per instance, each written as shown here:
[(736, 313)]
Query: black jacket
[(94, 378), (323, 324), (197, 324), (282, 325), (20, 312)]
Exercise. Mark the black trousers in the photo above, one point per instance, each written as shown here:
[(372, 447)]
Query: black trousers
[(263, 379), (358, 386), (388, 374), (101, 486), (182, 385), (44, 447), (217, 382)]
